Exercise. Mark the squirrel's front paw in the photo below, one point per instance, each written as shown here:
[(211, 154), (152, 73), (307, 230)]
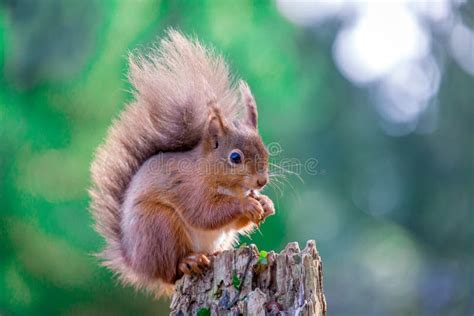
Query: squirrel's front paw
[(267, 205), (253, 210), (194, 263)]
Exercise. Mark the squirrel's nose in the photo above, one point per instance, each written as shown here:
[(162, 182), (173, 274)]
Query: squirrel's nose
[(261, 182)]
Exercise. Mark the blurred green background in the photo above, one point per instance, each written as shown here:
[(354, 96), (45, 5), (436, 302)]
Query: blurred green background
[(373, 101)]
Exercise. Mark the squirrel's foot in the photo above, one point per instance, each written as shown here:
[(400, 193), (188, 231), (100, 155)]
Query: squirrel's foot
[(194, 263)]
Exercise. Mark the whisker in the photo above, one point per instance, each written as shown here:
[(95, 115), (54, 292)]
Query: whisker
[(277, 184), (279, 179), (289, 183), (288, 171), (284, 181), (271, 185), (274, 185), (278, 175)]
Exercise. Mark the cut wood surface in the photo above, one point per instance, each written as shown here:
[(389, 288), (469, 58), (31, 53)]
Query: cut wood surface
[(246, 281)]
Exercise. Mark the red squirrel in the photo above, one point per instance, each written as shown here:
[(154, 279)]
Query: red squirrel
[(179, 174)]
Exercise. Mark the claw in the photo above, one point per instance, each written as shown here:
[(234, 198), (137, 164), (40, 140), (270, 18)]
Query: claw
[(185, 268), (194, 263)]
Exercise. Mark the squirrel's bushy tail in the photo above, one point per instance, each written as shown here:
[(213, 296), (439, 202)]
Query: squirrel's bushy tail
[(174, 85)]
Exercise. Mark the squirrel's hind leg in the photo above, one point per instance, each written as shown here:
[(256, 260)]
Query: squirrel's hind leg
[(154, 240)]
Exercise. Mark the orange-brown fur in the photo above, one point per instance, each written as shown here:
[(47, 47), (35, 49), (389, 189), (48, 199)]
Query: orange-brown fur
[(163, 185)]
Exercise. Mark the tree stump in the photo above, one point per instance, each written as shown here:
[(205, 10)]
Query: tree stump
[(245, 281)]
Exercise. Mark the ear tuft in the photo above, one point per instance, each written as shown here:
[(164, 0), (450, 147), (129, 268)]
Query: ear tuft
[(249, 100), (216, 128)]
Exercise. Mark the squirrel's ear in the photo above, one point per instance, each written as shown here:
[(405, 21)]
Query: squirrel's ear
[(248, 99), (216, 129)]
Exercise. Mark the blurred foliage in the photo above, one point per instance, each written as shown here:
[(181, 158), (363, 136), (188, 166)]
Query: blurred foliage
[(63, 79)]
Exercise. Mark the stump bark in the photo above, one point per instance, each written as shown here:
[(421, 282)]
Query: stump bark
[(245, 281)]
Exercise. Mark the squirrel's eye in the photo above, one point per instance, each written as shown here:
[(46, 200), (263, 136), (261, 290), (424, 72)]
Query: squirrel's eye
[(236, 157)]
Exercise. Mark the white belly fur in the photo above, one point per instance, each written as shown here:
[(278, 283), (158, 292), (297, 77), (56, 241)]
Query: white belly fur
[(210, 241)]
